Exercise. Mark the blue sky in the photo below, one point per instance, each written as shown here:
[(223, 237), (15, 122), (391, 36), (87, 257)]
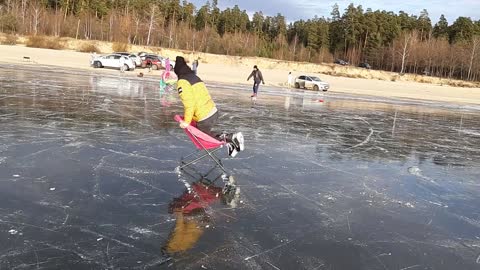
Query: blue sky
[(305, 9)]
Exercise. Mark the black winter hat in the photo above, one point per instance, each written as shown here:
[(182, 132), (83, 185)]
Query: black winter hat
[(181, 67)]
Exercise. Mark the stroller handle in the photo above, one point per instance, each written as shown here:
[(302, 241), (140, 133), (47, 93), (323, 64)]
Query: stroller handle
[(178, 118)]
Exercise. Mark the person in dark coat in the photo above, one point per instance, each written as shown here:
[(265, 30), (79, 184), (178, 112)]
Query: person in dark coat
[(257, 78)]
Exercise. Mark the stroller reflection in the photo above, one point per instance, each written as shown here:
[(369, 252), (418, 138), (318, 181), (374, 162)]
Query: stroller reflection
[(203, 192), (193, 209)]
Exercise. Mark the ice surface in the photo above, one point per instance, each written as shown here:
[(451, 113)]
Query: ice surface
[(342, 184)]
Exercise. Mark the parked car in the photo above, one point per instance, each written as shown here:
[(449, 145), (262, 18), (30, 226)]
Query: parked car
[(341, 62), (365, 65), (164, 60), (151, 61), (113, 61), (136, 59), (311, 82)]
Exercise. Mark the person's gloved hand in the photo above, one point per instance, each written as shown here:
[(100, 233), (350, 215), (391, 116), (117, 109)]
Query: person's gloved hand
[(183, 124), (263, 82)]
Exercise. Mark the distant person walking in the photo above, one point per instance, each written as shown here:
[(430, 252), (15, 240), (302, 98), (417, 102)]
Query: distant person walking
[(195, 66), (257, 78), (290, 80), (122, 64), (93, 56)]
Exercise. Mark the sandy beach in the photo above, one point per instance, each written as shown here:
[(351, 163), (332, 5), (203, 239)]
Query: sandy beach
[(235, 70)]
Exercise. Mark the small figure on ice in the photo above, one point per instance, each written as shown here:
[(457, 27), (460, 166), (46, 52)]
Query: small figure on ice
[(195, 66), (290, 80), (257, 78), (123, 65)]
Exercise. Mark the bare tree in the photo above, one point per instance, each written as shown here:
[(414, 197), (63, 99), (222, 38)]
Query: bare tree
[(136, 18), (36, 12), (150, 26), (407, 39), (24, 10), (295, 41), (475, 44)]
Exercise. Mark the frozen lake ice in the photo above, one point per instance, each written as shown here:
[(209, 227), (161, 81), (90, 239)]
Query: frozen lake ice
[(88, 179)]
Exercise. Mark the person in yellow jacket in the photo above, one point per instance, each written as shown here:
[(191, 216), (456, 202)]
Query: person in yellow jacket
[(199, 107)]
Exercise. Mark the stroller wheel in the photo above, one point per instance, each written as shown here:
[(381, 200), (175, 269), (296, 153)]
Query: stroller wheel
[(228, 189), (232, 196)]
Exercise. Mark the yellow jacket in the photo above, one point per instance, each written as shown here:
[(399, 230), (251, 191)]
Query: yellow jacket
[(196, 100)]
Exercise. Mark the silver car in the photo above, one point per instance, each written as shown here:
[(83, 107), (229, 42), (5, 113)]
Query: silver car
[(113, 61), (136, 59), (311, 82)]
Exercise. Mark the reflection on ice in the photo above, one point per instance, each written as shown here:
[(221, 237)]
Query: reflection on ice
[(193, 212), (303, 102), (115, 86)]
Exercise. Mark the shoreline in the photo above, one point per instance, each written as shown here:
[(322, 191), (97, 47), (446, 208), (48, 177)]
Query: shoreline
[(274, 92), (236, 74)]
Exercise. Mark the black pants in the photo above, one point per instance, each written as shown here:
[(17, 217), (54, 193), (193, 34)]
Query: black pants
[(256, 85), (207, 125)]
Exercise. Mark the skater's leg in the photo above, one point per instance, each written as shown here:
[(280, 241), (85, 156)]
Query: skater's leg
[(255, 88), (234, 141), (238, 140), (207, 125)]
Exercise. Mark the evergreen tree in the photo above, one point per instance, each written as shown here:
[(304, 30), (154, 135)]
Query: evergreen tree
[(424, 25), (257, 23), (462, 30), (441, 28), (337, 31)]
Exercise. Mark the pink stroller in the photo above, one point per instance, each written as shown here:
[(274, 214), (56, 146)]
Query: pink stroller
[(204, 143)]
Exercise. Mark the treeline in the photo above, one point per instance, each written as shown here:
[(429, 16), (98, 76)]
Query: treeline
[(400, 42)]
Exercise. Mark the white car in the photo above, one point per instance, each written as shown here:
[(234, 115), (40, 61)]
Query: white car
[(113, 61), (136, 59), (164, 62), (311, 82)]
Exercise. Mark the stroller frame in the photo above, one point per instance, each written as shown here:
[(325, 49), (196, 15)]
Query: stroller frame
[(207, 148)]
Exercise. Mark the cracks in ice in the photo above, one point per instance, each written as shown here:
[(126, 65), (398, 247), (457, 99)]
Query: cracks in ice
[(367, 139), (335, 184), (268, 250), (130, 154), (411, 267), (96, 170), (99, 235), (27, 225)]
